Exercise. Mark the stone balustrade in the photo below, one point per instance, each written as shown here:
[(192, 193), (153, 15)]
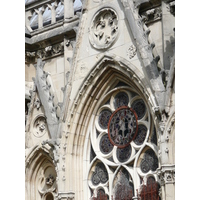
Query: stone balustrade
[(42, 13)]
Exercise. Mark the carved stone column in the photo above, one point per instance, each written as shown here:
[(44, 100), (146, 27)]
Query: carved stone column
[(40, 12), (166, 174), (168, 32), (68, 9)]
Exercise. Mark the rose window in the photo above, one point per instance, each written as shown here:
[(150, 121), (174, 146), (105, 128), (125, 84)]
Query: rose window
[(123, 135), (122, 126)]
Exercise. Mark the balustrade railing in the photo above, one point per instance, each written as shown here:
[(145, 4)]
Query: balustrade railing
[(44, 12)]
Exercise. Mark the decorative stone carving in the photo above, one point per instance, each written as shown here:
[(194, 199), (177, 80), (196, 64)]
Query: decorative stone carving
[(48, 51), (104, 29), (39, 126), (30, 56), (166, 174), (152, 15), (58, 48), (131, 52), (50, 180), (37, 103), (171, 7)]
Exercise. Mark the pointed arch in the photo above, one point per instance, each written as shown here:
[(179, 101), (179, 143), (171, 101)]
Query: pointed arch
[(40, 174), (105, 74)]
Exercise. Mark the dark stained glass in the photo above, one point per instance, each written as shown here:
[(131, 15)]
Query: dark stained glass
[(123, 188), (122, 128), (100, 175), (121, 99), (149, 162), (141, 135), (105, 145), (104, 117), (124, 154), (139, 107)]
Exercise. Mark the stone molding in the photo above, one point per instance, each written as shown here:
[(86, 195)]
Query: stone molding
[(106, 60), (166, 174), (66, 196), (45, 53), (141, 33)]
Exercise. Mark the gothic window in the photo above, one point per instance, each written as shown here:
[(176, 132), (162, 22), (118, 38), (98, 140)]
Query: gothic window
[(123, 145)]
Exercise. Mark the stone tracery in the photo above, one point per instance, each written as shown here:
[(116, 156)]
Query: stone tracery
[(134, 127), (104, 29)]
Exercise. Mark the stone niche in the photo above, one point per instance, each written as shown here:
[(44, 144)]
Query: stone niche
[(42, 177)]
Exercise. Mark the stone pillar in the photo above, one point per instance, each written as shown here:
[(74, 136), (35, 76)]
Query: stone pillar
[(166, 175), (166, 172), (40, 12), (53, 11), (68, 9), (168, 25)]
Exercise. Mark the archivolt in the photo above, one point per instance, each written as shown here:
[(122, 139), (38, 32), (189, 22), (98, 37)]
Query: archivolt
[(101, 78), (37, 161)]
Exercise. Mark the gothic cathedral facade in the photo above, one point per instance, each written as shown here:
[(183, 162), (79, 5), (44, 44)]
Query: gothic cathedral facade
[(100, 99)]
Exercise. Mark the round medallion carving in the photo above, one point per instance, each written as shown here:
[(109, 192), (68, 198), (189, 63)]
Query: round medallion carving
[(40, 126), (104, 29), (122, 127)]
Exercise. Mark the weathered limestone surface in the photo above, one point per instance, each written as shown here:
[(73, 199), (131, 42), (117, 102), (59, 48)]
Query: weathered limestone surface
[(80, 71)]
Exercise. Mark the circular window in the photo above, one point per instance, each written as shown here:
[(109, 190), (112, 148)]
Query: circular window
[(142, 132), (139, 107), (104, 117), (122, 126)]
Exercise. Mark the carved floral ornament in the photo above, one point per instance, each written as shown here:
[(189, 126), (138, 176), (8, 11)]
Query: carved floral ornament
[(39, 126), (104, 29), (47, 182)]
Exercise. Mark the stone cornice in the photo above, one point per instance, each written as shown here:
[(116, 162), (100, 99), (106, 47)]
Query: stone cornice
[(45, 53)]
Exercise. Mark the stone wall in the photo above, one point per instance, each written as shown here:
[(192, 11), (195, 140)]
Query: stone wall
[(74, 70)]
